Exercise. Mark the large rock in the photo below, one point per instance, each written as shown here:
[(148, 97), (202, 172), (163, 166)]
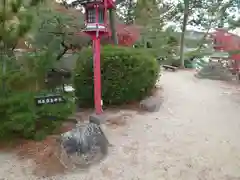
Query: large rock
[(84, 145)]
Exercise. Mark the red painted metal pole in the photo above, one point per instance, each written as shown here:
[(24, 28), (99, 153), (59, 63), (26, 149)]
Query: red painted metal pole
[(97, 75)]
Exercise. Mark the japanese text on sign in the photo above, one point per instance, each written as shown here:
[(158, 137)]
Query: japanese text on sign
[(54, 99)]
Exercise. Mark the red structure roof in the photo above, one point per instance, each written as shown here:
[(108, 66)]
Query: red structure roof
[(225, 41), (228, 42)]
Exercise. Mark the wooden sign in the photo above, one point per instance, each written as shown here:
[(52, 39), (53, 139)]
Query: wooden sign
[(49, 99)]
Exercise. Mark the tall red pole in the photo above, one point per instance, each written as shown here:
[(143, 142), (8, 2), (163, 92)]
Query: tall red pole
[(97, 69), (97, 75)]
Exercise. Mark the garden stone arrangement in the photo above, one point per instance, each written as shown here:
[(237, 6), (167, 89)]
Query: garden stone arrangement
[(215, 71), (83, 146)]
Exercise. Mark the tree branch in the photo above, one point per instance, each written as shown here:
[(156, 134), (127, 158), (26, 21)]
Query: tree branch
[(61, 54)]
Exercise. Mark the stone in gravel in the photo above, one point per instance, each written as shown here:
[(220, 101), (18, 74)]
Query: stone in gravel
[(151, 104), (215, 71), (84, 145)]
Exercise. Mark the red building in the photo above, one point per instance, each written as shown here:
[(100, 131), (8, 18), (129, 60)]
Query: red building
[(227, 42)]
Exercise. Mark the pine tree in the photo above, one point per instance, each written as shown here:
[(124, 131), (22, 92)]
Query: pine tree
[(125, 11), (148, 17), (23, 77), (16, 18), (58, 29)]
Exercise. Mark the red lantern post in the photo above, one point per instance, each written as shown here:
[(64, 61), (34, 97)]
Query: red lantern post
[(96, 26)]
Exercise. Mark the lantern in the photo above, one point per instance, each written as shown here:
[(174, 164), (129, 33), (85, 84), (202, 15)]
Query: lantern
[(96, 26), (96, 16)]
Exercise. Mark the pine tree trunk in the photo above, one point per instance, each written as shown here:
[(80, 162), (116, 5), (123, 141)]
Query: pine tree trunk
[(112, 13), (182, 41)]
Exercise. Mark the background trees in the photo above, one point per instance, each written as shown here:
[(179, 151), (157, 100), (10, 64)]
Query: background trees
[(205, 15)]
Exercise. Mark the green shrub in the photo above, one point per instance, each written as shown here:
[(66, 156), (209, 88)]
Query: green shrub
[(128, 74), (20, 117), (16, 115)]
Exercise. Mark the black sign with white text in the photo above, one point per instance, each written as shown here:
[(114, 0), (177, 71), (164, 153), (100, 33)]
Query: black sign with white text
[(49, 99)]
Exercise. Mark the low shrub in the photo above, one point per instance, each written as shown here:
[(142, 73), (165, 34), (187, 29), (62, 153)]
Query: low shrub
[(128, 75), (20, 116)]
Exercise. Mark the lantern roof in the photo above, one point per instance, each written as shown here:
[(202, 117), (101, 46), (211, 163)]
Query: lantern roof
[(83, 2), (109, 3)]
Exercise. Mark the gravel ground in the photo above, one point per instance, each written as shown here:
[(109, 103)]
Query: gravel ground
[(194, 136)]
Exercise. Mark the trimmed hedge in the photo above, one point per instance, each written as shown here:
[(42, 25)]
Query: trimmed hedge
[(128, 75)]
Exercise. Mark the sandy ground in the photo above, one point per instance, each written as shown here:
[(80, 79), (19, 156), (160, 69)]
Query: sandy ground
[(194, 136)]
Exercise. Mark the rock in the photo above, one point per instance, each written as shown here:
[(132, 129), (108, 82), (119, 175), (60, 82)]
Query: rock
[(151, 104), (84, 145), (215, 71)]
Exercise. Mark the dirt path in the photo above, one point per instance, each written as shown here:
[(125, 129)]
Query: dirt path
[(194, 136)]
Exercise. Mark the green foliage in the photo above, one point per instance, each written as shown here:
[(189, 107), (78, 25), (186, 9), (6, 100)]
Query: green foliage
[(234, 23), (50, 117), (56, 30), (23, 77), (202, 14), (15, 21), (233, 52), (205, 14), (164, 44), (20, 117), (198, 53), (175, 61), (149, 15), (127, 75), (16, 115), (126, 11)]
